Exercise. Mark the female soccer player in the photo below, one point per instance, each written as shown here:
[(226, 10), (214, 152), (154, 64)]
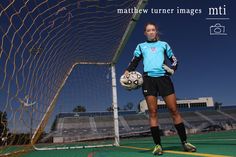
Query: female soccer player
[(158, 83)]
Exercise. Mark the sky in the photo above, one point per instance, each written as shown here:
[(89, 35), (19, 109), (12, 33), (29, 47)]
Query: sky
[(206, 62)]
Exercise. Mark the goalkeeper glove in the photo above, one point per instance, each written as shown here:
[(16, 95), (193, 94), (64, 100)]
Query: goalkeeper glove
[(168, 69)]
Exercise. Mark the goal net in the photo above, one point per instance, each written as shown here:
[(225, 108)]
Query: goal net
[(83, 114), (56, 61)]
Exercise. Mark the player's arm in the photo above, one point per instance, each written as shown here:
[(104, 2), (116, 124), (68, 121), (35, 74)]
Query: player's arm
[(171, 57), (134, 63), (136, 59)]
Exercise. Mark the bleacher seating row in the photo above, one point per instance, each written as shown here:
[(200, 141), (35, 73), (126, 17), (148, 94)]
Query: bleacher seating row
[(100, 125)]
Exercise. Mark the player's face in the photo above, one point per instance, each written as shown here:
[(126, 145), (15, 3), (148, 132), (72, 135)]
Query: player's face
[(150, 32)]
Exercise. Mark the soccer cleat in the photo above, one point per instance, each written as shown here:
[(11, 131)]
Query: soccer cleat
[(157, 150), (188, 147)]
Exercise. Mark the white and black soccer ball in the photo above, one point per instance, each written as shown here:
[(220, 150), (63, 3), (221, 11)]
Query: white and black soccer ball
[(133, 80)]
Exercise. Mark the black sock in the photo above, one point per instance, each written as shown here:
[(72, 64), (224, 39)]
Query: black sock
[(156, 135), (181, 132)]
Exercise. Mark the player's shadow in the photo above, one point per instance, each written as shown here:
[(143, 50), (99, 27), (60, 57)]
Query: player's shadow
[(145, 151), (204, 143), (173, 148)]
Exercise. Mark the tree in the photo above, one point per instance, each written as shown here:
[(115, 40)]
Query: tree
[(3, 126), (3, 123), (138, 106), (110, 108), (79, 108), (129, 106)]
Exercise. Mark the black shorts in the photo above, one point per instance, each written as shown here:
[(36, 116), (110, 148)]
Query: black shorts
[(157, 86)]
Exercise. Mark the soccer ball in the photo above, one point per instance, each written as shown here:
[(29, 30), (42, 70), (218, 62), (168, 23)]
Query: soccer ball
[(134, 80)]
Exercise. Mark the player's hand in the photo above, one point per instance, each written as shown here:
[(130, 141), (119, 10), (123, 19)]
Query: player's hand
[(174, 67), (124, 82), (168, 69), (126, 73)]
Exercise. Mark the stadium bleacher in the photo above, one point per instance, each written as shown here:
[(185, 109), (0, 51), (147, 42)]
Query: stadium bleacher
[(216, 116), (230, 111), (95, 125)]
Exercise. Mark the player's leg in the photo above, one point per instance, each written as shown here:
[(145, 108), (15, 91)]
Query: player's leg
[(152, 109), (166, 89), (170, 101), (153, 120), (150, 93)]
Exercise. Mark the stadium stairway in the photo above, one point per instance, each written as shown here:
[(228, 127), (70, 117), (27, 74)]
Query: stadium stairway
[(205, 117), (92, 124), (124, 123), (227, 115), (186, 123)]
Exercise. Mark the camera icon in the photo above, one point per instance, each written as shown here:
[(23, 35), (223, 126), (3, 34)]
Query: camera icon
[(217, 29)]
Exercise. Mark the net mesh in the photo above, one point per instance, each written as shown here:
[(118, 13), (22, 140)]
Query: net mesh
[(79, 105), (40, 41)]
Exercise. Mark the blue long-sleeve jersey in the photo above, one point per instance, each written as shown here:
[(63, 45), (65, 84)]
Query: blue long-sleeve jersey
[(153, 54)]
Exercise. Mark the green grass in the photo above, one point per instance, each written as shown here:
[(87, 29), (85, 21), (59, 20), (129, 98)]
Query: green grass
[(210, 144)]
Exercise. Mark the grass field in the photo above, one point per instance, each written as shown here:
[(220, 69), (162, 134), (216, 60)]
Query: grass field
[(215, 144)]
